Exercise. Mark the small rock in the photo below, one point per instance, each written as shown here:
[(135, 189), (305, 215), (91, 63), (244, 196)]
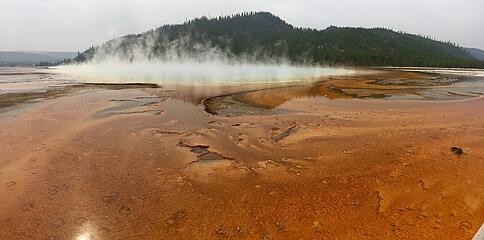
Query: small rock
[(457, 151)]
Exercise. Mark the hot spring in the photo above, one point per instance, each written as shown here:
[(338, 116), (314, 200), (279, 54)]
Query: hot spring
[(197, 73)]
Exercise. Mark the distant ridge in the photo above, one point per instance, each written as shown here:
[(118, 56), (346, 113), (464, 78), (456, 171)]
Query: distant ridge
[(262, 36), (476, 53), (15, 58)]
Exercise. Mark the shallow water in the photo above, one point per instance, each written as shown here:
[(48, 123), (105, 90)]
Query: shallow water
[(21, 80), (270, 87), (384, 86)]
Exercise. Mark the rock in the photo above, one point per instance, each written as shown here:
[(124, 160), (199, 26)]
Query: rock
[(457, 151)]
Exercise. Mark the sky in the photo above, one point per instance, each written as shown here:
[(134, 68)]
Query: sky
[(74, 25)]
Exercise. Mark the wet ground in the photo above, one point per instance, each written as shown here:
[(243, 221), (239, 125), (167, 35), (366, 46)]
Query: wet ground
[(388, 85), (331, 160)]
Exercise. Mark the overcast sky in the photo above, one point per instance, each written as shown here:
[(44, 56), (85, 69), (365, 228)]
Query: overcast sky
[(72, 25)]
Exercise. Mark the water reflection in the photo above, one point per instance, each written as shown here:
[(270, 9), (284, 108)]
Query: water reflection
[(84, 236), (392, 85), (255, 98), (86, 232)]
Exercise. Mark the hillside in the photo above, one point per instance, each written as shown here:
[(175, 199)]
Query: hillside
[(261, 36), (476, 53), (14, 58)]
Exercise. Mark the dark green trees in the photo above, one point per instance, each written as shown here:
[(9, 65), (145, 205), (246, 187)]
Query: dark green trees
[(263, 36)]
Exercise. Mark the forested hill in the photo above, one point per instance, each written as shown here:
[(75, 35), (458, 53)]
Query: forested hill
[(264, 36)]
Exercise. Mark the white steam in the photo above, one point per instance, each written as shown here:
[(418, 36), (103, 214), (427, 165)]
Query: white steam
[(186, 61), (196, 73)]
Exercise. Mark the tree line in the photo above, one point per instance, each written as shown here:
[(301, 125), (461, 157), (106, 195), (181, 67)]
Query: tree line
[(263, 35)]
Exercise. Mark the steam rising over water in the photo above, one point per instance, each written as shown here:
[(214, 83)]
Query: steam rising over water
[(196, 73)]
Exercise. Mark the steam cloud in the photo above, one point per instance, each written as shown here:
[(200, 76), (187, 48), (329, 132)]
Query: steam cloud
[(195, 73), (187, 62)]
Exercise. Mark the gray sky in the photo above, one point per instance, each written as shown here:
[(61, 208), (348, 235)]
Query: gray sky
[(71, 25)]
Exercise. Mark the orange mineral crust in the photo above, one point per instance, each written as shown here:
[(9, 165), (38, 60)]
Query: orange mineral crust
[(319, 161)]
